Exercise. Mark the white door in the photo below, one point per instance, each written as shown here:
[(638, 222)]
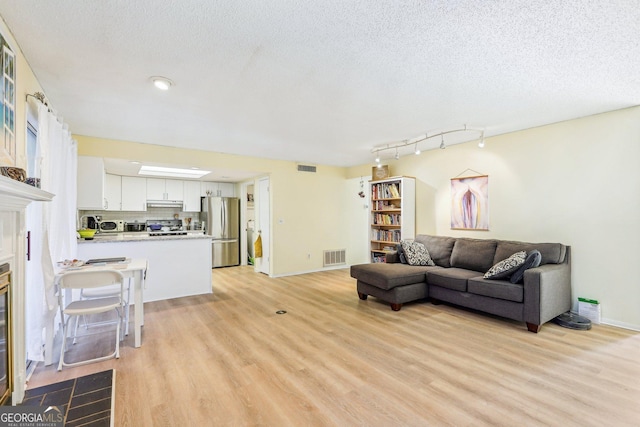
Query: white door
[(264, 222)]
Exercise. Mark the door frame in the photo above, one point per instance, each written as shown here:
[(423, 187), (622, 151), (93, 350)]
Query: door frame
[(262, 191)]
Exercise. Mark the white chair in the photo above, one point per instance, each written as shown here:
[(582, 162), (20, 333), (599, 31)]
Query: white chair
[(89, 279), (108, 291)]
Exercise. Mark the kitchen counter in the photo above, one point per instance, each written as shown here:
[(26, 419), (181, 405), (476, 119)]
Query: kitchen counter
[(179, 266), (141, 236)]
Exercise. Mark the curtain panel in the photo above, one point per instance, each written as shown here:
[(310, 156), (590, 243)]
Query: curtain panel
[(52, 226)]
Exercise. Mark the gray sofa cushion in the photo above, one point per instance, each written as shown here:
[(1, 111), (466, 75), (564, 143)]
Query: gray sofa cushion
[(552, 253), (450, 278), (502, 289), (439, 248), (401, 255), (532, 261), (475, 254), (387, 276)]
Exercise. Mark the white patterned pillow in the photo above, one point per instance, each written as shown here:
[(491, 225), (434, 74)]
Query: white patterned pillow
[(416, 253), (507, 266)]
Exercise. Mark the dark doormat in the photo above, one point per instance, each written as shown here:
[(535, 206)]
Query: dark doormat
[(85, 401)]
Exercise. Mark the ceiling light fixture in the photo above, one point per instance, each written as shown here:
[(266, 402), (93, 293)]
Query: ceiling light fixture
[(172, 172), (161, 83), (414, 142)]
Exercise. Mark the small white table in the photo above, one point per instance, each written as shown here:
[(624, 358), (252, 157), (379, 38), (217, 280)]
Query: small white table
[(136, 269)]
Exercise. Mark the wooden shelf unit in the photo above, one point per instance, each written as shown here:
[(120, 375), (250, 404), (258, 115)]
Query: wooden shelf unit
[(393, 214)]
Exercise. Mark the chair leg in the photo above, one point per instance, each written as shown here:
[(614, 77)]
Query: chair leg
[(125, 321), (118, 340), (65, 330), (63, 345)]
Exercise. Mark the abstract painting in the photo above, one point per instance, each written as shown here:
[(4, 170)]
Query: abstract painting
[(470, 203)]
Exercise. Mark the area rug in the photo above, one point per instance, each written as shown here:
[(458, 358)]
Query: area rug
[(84, 401)]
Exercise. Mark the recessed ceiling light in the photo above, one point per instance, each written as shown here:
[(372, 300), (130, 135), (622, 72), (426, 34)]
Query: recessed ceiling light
[(161, 83), (171, 172)]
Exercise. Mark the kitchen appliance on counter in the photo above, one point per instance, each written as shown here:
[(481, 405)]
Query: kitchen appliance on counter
[(221, 219), (165, 227), (111, 226), (135, 226), (90, 221)]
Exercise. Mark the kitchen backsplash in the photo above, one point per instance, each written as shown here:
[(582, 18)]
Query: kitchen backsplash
[(150, 214)]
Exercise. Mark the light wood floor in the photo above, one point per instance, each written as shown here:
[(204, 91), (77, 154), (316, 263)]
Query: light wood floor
[(228, 359)]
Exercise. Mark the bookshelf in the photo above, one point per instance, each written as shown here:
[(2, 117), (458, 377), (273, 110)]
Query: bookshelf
[(393, 214)]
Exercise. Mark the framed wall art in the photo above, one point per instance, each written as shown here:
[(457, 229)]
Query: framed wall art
[(470, 203)]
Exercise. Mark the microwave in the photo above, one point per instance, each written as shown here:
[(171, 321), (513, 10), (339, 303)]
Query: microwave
[(109, 226)]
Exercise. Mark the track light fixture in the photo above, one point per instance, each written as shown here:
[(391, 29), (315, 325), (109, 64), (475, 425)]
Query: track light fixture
[(414, 142)]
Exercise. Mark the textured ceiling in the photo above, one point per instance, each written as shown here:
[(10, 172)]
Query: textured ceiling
[(323, 82)]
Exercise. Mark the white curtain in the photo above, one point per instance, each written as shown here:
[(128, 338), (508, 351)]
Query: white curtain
[(52, 226)]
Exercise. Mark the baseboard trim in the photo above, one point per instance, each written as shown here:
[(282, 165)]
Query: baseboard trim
[(617, 324), (335, 267)]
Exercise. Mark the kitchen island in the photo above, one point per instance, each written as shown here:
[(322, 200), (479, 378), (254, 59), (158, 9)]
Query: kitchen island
[(179, 265)]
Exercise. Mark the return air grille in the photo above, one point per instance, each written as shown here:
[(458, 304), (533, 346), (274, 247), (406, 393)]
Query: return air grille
[(306, 168), (337, 257)]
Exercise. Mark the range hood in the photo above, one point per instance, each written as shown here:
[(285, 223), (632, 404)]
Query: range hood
[(164, 203)]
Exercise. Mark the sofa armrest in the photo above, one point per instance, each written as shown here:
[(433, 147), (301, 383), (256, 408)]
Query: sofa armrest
[(392, 257), (547, 292)]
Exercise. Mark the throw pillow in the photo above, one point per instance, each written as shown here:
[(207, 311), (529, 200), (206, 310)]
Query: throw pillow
[(507, 266), (533, 260), (401, 255), (416, 253)]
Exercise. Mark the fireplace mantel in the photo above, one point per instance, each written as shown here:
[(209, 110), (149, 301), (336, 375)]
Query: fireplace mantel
[(15, 196), (18, 194)]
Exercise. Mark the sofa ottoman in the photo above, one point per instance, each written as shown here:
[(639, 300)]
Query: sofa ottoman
[(394, 283)]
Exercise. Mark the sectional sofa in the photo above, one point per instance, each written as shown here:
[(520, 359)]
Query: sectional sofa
[(456, 274)]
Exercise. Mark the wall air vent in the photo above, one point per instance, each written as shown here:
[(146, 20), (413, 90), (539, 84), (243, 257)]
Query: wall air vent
[(305, 168), (336, 257)]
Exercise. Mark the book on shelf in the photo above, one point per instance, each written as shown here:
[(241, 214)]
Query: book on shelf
[(385, 191)]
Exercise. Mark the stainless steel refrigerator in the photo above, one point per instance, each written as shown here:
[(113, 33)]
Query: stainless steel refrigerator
[(221, 217)]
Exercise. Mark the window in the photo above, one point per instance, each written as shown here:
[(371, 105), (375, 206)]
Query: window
[(7, 109)]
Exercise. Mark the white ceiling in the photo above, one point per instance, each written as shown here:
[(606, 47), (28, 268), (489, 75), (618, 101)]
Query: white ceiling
[(323, 82)]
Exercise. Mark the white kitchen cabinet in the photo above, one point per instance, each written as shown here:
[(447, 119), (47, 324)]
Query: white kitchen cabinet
[(191, 196), (174, 189), (91, 183), (218, 189), (134, 193), (165, 189), (155, 189), (113, 192)]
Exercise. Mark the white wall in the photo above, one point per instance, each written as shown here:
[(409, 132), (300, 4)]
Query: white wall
[(575, 182)]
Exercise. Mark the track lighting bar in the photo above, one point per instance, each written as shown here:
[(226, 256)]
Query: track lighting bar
[(414, 141)]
